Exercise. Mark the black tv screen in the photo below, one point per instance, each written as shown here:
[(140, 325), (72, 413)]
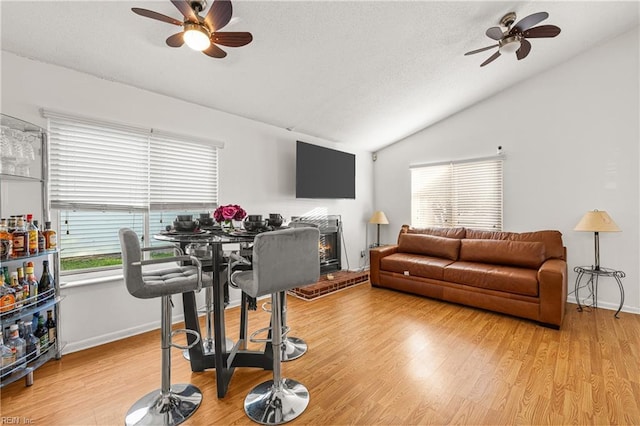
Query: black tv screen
[(324, 173)]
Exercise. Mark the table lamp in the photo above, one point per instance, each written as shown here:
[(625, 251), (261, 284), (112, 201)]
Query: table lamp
[(379, 218), (597, 221)]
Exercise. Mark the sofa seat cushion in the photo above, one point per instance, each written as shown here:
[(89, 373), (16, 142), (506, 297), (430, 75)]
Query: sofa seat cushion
[(430, 245), (417, 265), (494, 277)]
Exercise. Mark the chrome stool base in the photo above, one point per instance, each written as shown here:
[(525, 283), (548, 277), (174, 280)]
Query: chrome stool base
[(293, 348), (172, 409), (270, 406)]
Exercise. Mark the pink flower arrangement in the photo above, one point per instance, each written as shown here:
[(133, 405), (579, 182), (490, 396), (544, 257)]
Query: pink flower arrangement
[(228, 213)]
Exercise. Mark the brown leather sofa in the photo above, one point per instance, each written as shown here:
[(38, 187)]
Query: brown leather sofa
[(520, 274)]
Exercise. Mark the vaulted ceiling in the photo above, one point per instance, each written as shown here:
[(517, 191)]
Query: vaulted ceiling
[(362, 73)]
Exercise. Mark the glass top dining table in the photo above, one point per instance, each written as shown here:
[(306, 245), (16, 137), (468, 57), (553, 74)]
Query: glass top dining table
[(224, 359)]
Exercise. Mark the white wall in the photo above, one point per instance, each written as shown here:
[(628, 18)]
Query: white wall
[(570, 137), (257, 171)]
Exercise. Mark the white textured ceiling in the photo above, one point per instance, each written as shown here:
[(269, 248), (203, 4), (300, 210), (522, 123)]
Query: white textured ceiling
[(363, 73)]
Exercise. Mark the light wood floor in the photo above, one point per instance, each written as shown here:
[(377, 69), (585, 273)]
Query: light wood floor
[(377, 357)]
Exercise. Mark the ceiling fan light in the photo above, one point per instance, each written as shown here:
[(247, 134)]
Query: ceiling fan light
[(510, 45), (196, 37)]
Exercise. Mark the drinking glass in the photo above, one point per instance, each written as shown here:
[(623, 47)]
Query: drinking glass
[(7, 159), (20, 151)]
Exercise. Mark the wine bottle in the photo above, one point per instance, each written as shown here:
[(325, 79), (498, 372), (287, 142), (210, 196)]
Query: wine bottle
[(42, 333), (46, 281), (51, 327)]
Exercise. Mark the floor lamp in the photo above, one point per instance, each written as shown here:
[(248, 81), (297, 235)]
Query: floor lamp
[(597, 221), (379, 218)]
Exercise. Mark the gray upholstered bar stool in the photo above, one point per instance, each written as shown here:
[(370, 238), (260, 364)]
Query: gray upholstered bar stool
[(293, 347), (281, 260), (171, 404)]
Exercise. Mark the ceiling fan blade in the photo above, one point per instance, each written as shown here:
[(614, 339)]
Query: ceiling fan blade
[(175, 40), (214, 51), (491, 58), (219, 15), (481, 50), (495, 33), (523, 51), (542, 31), (530, 21), (155, 15), (232, 39), (185, 8)]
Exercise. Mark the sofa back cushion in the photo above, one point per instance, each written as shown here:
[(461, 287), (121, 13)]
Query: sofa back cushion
[(525, 254), (438, 232), (430, 245), (552, 240)]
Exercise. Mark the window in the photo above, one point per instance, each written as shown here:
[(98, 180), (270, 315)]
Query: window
[(105, 176), (465, 194)]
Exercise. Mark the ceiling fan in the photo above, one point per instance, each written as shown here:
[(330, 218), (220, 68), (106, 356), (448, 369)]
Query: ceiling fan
[(200, 33), (513, 38)]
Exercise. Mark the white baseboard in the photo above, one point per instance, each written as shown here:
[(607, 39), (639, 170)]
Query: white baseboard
[(122, 334), (608, 305)]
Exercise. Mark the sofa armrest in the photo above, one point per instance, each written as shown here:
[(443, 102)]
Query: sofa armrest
[(552, 279), (375, 255)]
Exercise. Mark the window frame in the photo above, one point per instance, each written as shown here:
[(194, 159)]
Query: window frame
[(154, 200), (454, 186)]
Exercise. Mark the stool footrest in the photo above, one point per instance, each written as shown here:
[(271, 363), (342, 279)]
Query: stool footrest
[(254, 339), (186, 331)]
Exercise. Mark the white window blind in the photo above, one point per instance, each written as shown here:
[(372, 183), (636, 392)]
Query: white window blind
[(106, 166), (465, 194), (184, 175), (105, 176), (96, 167)]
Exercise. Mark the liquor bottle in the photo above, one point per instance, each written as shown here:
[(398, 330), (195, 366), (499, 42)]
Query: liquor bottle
[(7, 277), (51, 327), (46, 281), (8, 357), (20, 328), (16, 344), (22, 280), (32, 342), (42, 241), (6, 241), (50, 237), (33, 235), (33, 283), (11, 223), (7, 296), (19, 291), (42, 334), (20, 238)]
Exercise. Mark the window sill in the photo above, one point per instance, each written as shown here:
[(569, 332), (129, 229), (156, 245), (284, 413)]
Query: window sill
[(96, 277), (90, 278)]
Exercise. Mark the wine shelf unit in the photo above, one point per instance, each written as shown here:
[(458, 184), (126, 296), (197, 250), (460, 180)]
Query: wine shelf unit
[(36, 183)]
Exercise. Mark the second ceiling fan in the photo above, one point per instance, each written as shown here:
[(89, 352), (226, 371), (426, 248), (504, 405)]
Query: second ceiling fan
[(200, 33), (514, 37)]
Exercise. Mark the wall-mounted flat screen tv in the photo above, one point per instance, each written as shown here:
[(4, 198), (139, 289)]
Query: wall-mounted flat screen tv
[(324, 173)]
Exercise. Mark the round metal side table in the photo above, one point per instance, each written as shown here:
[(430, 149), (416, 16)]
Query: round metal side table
[(592, 284)]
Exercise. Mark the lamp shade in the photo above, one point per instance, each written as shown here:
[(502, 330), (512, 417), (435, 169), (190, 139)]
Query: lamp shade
[(597, 221), (379, 218)]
